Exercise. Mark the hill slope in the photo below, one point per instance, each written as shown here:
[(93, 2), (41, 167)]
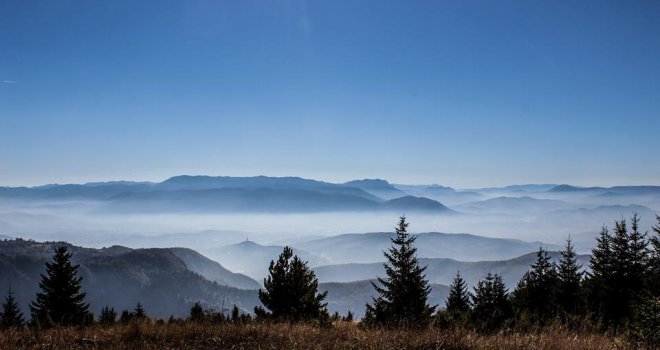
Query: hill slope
[(368, 247), (120, 277), (442, 271)]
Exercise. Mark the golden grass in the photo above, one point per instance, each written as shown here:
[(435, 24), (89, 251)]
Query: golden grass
[(284, 336)]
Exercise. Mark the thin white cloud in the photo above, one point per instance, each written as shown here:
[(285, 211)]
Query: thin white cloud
[(9, 82)]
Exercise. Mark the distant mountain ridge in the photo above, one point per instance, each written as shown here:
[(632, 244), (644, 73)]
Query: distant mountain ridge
[(623, 190), (368, 247), (443, 270), (234, 194)]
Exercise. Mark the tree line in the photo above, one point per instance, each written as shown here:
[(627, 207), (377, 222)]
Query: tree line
[(619, 293)]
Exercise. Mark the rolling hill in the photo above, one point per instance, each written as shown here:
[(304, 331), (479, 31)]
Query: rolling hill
[(167, 281), (442, 271), (120, 277), (253, 259), (368, 247)]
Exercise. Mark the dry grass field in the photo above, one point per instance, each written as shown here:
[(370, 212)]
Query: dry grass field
[(284, 336)]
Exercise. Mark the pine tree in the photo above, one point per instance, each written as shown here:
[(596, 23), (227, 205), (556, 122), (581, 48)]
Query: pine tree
[(126, 316), (535, 295), (60, 301), (491, 303), (107, 316), (458, 301), (197, 313), (403, 295), (235, 314), (291, 291), (11, 316), (569, 277), (619, 265), (138, 312), (653, 272), (599, 279), (349, 316)]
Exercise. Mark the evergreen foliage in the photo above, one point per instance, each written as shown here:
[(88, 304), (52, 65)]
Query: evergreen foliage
[(349, 316), (653, 273), (60, 301), (569, 279), (138, 312), (11, 316), (459, 297), (235, 314), (107, 316), (126, 316), (645, 325), (535, 295), (618, 266), (491, 304), (291, 291), (196, 313), (402, 296)]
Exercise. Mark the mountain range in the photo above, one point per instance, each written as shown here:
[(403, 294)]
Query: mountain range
[(203, 194)]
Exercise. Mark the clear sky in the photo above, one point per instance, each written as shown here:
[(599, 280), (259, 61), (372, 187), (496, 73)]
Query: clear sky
[(461, 93)]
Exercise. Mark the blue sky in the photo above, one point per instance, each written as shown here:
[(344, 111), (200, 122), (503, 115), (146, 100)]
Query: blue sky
[(461, 93)]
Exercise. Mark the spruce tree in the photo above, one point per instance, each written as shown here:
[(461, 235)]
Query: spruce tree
[(291, 291), (107, 316), (349, 316), (653, 272), (138, 312), (619, 265), (491, 304), (11, 316), (60, 301), (535, 295), (197, 313), (126, 316), (458, 301), (569, 277), (402, 296), (235, 314), (599, 280)]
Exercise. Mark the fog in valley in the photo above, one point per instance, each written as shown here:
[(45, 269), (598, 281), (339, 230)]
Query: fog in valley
[(234, 227), (533, 213)]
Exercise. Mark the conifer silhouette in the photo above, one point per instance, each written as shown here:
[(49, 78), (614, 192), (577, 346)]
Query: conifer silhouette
[(11, 316), (60, 301), (107, 316), (290, 291), (402, 295), (569, 278), (536, 292), (491, 303), (458, 300)]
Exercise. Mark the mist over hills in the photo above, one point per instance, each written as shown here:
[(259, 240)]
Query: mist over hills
[(253, 259), (377, 187), (207, 213), (166, 281), (354, 295), (442, 270), (506, 205), (622, 190), (368, 247), (200, 194), (121, 277)]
